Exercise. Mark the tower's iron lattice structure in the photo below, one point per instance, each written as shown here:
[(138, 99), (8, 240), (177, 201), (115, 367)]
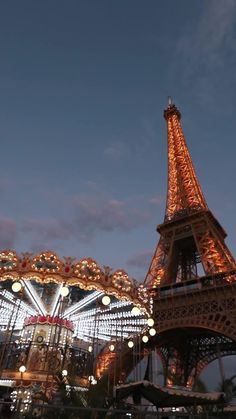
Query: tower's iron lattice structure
[(192, 276), (190, 234)]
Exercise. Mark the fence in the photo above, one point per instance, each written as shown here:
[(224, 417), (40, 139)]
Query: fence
[(54, 411)]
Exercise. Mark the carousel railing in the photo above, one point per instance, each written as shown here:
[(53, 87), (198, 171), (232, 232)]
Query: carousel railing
[(45, 358)]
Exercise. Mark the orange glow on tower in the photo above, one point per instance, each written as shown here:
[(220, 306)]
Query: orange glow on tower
[(190, 233)]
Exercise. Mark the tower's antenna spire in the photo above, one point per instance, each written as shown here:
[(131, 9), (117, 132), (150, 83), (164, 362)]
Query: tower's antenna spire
[(169, 100)]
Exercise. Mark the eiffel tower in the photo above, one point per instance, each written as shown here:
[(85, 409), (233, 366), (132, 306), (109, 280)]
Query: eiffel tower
[(192, 276)]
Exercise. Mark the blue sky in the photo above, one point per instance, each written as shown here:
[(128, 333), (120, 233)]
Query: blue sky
[(83, 141)]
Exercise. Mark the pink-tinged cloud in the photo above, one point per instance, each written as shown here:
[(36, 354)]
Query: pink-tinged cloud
[(49, 229), (93, 216), (5, 183), (141, 260), (156, 200), (8, 233), (89, 216)]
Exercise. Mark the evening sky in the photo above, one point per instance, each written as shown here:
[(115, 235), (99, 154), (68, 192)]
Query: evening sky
[(83, 85)]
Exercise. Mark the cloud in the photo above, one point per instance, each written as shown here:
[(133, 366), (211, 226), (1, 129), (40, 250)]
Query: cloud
[(93, 215), (90, 215), (49, 229), (213, 33), (116, 150), (216, 28), (5, 184), (140, 260), (155, 200), (8, 233), (205, 52)]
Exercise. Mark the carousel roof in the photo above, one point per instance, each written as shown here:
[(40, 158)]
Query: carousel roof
[(47, 267), (42, 278)]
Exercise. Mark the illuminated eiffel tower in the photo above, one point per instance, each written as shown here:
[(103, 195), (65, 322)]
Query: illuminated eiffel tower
[(192, 280), (192, 276)]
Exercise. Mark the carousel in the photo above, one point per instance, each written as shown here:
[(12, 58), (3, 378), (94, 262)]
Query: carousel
[(67, 316)]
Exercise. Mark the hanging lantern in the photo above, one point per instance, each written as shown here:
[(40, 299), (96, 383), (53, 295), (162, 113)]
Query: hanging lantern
[(135, 311), (130, 344), (64, 291), (145, 339), (150, 322), (106, 300), (16, 286), (152, 332)]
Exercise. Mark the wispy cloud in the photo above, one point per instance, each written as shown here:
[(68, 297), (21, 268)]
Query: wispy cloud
[(93, 215), (49, 229), (214, 32), (90, 215), (140, 260), (206, 49), (156, 200), (8, 233), (116, 150)]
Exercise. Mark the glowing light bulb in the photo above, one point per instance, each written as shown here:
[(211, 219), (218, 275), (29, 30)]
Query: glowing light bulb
[(150, 322), (152, 332), (64, 291), (90, 348), (130, 344), (22, 369), (106, 300), (64, 373), (16, 286), (135, 311), (111, 347), (145, 339)]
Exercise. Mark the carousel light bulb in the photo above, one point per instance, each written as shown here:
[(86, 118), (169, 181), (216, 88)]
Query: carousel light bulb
[(152, 332), (64, 291), (130, 344), (106, 300), (111, 347), (90, 348), (16, 286), (145, 339), (150, 322), (22, 369), (64, 373), (135, 311)]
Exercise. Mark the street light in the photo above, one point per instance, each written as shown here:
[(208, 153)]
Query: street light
[(22, 369)]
